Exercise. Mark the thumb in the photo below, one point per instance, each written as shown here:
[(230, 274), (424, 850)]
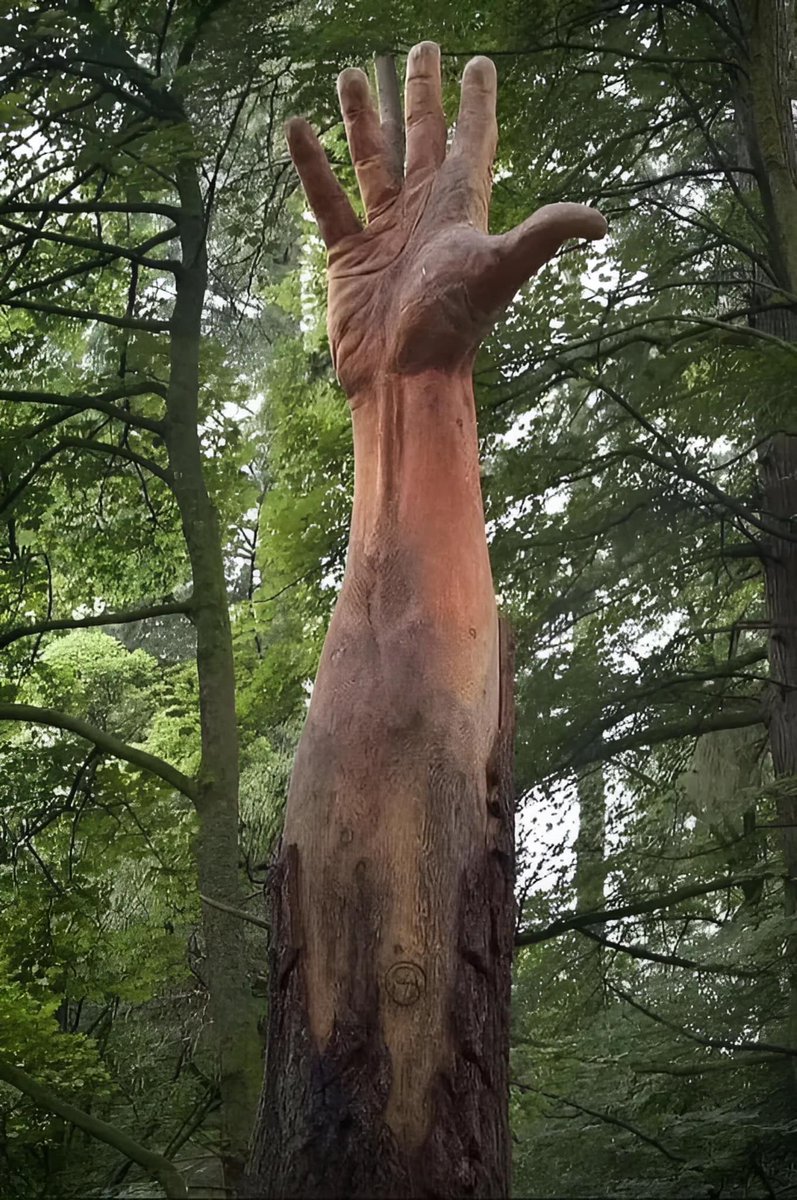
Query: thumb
[(519, 254)]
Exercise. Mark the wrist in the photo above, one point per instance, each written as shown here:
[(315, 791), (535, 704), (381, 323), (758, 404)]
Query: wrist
[(406, 420), (388, 383), (416, 456)]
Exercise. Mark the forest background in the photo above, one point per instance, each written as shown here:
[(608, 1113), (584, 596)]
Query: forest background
[(175, 482)]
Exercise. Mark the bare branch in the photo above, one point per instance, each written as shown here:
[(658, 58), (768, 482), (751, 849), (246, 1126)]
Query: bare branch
[(85, 314), (622, 704), (608, 1118), (103, 403), (670, 731), (390, 108), (126, 617), (147, 464), (106, 248), (235, 912), (712, 1043), (580, 920), (91, 206), (707, 1066), (11, 497), (670, 960)]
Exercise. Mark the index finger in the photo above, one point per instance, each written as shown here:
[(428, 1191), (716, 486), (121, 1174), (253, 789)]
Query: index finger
[(331, 206)]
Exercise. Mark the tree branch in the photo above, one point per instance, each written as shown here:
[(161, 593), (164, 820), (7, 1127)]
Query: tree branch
[(608, 1118), (235, 912), (103, 741), (670, 731), (390, 110), (679, 465), (10, 498), (579, 920), (147, 464), (157, 1167), (126, 617), (622, 704), (108, 249), (670, 960), (712, 1043), (104, 403), (91, 206), (85, 314), (706, 1067)]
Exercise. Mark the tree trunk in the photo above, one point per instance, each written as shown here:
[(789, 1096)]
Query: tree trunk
[(345, 1118), (232, 1010), (590, 878), (768, 125), (393, 902), (778, 474)]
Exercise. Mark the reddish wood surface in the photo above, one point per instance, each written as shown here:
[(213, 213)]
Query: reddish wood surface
[(392, 901)]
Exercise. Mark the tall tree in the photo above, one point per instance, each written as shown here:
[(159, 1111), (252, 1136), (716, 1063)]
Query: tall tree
[(128, 146), (765, 87)]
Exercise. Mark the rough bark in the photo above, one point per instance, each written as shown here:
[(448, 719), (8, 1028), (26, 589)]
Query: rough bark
[(767, 122), (406, 1096), (778, 474), (232, 1012), (770, 42)]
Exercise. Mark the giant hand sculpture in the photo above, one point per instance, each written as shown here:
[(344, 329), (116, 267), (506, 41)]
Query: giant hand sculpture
[(393, 909), (422, 283)]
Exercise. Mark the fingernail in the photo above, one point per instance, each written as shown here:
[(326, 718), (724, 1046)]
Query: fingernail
[(354, 90), (481, 71), (422, 50)]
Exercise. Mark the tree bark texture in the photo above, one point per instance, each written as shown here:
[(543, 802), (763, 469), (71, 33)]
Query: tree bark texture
[(778, 475), (405, 1094), (767, 75), (768, 123), (393, 905), (232, 1009)]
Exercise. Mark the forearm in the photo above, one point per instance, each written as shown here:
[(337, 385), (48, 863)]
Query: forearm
[(417, 488), (417, 604)]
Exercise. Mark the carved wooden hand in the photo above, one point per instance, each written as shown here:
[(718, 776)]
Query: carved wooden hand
[(421, 284), (393, 896)]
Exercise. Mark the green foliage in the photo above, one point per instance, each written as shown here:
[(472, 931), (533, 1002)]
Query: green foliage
[(621, 406), (622, 403), (30, 1034)]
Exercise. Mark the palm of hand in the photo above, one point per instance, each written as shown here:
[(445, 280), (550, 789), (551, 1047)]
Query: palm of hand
[(421, 284), (414, 311)]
